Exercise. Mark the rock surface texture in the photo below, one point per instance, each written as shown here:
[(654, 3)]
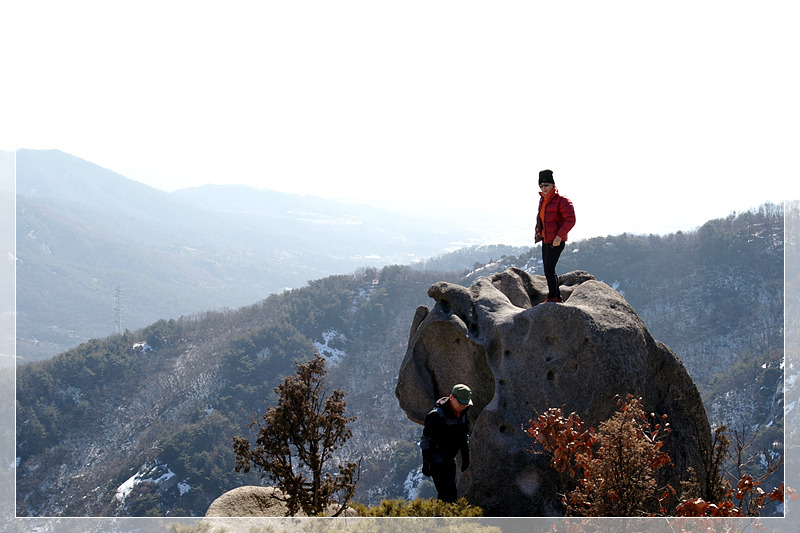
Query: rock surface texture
[(254, 508), (247, 501), (521, 356)]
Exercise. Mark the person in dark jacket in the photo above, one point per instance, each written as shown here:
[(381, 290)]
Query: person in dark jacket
[(446, 433), (555, 218)]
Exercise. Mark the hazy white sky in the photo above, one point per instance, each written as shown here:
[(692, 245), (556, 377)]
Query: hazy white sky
[(654, 116)]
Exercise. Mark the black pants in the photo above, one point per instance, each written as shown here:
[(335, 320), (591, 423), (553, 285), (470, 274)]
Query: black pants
[(550, 255), (444, 479)]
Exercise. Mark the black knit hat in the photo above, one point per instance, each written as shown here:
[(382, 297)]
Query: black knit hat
[(546, 176)]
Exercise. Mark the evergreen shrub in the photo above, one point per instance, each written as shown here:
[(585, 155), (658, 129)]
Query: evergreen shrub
[(419, 508)]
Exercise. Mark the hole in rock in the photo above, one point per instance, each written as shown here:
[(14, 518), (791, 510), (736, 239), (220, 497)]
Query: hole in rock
[(551, 375)]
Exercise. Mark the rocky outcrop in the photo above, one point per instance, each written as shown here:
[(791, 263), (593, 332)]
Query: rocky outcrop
[(249, 508), (256, 501), (522, 356), (248, 501)]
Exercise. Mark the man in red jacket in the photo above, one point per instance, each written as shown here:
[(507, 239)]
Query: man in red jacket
[(555, 218)]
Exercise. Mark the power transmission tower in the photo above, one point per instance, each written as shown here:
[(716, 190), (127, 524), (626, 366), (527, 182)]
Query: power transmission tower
[(118, 314)]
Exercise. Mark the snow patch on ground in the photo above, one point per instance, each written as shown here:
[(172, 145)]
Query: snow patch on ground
[(263, 353), (184, 487), (413, 484), (333, 356), (155, 474)]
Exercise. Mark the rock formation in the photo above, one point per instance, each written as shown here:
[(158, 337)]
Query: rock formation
[(248, 501), (248, 508), (255, 508), (521, 356)]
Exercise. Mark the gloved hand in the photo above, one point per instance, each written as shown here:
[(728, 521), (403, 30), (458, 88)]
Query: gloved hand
[(426, 468), (464, 459)]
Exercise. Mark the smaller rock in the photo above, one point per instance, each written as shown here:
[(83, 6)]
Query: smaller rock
[(248, 501), (256, 501)]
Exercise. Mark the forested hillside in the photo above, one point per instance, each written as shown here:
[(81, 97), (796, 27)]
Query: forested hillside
[(141, 423), (176, 392)]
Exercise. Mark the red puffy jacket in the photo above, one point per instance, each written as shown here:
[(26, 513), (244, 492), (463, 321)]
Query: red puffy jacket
[(559, 218)]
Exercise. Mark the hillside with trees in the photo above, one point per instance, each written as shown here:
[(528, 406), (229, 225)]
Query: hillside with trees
[(141, 423)]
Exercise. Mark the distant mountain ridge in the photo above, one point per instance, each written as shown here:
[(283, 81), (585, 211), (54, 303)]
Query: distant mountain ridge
[(83, 231)]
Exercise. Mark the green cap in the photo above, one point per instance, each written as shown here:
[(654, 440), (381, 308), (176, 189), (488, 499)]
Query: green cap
[(463, 394)]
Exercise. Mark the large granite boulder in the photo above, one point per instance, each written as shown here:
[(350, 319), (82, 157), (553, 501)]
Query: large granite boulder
[(521, 356)]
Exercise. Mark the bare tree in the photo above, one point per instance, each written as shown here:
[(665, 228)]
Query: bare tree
[(296, 442)]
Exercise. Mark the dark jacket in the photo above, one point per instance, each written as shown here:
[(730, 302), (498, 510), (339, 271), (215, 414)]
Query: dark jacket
[(559, 218), (445, 434)]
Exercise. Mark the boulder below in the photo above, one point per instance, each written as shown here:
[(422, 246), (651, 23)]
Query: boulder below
[(244, 508), (521, 356), (248, 501)]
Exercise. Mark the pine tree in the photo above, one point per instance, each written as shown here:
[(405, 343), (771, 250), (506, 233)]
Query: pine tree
[(296, 442)]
